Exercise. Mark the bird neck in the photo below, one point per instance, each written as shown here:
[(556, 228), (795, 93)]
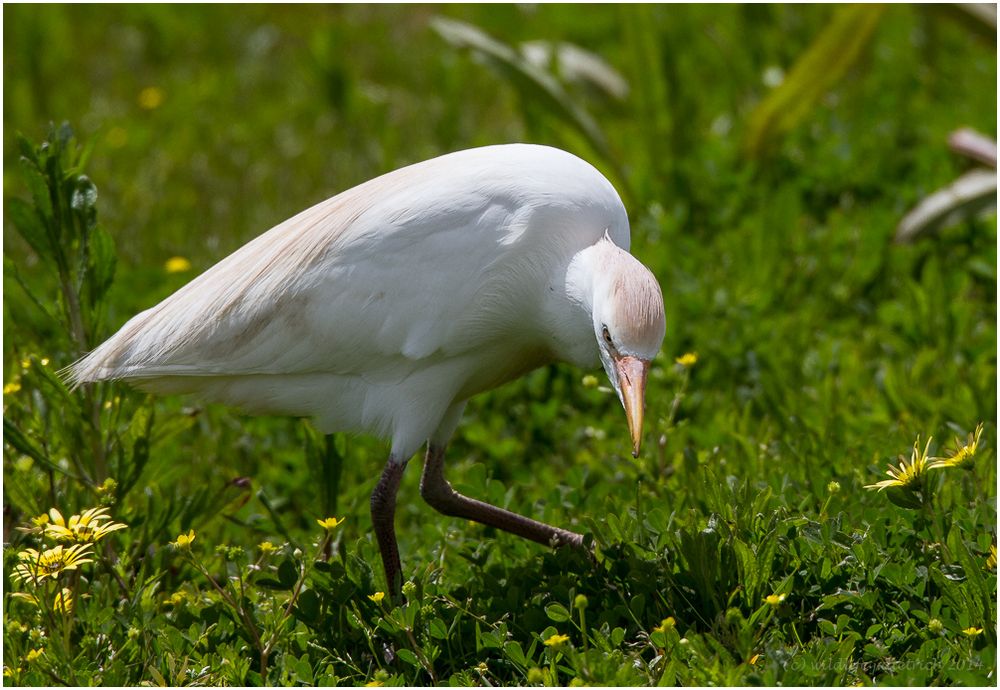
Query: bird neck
[(571, 309)]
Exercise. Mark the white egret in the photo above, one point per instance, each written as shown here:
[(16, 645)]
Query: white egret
[(385, 308)]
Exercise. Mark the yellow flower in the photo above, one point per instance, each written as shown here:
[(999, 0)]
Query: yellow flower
[(906, 476), (183, 541), (973, 632), (90, 526), (964, 452), (266, 547), (377, 597), (37, 525), (688, 359), (754, 659), (177, 598), (34, 654), (150, 98), (330, 523), (35, 566), (374, 684), (177, 264), (774, 600), (557, 640), (666, 624), (11, 388), (991, 560), (63, 603)]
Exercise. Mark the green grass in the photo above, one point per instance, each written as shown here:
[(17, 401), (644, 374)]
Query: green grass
[(740, 548)]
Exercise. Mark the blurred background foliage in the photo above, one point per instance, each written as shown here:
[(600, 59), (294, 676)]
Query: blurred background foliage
[(764, 169)]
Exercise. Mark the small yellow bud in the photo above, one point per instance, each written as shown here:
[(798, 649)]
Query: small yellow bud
[(177, 264), (536, 676), (150, 98), (687, 360), (774, 600)]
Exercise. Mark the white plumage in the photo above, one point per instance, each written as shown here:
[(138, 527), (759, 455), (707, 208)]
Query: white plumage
[(384, 308)]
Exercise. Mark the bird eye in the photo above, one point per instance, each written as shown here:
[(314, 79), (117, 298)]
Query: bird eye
[(607, 335)]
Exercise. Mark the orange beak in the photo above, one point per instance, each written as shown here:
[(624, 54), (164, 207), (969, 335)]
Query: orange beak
[(632, 381)]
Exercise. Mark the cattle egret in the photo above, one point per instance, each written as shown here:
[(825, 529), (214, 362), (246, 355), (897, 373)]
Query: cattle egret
[(384, 309)]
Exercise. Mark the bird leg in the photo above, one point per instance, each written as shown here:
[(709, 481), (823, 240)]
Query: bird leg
[(438, 493), (383, 506)]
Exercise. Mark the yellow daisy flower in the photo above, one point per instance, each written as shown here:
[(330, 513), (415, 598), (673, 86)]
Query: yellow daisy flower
[(90, 526), (964, 452), (973, 632), (63, 602), (35, 566), (906, 476)]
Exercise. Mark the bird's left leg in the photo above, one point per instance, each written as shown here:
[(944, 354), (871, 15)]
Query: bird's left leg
[(438, 492), (383, 507)]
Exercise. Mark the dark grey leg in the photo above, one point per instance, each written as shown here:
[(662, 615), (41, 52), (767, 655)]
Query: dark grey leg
[(383, 505), (438, 493)]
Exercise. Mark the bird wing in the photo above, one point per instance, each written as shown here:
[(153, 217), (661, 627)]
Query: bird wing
[(428, 261)]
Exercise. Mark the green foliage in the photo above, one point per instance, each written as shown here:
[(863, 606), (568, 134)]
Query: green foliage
[(742, 548)]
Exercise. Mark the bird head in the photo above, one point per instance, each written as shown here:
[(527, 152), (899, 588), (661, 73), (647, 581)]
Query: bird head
[(629, 326)]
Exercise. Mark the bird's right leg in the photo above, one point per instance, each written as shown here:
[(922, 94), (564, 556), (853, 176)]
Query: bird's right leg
[(438, 493), (383, 506)]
